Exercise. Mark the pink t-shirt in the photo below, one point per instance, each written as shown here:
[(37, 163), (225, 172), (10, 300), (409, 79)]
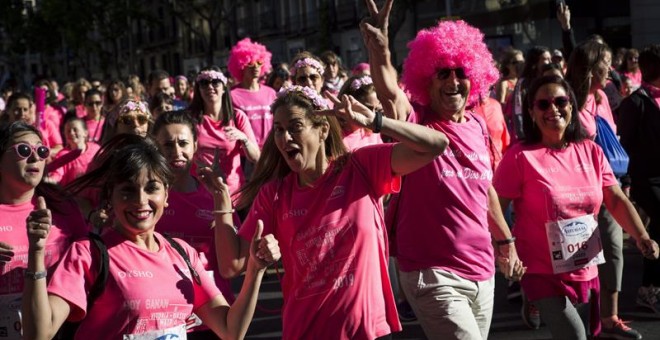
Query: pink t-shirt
[(188, 216), (360, 138), (491, 112), (591, 109), (256, 105), (145, 290), (550, 185), (334, 248), (51, 134), (94, 129), (53, 114), (441, 215), (636, 78), (212, 135), (68, 226), (71, 164)]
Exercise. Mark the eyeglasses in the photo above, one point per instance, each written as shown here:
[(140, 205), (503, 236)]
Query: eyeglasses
[(516, 62), (560, 102), (96, 103), (206, 82), (312, 77), (130, 119), (444, 73), (633, 58), (24, 150)]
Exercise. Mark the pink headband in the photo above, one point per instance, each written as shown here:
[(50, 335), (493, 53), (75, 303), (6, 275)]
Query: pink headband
[(356, 84), (311, 94), (313, 63), (210, 75), (134, 106)]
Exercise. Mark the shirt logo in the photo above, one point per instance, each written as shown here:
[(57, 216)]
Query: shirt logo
[(6, 228), (135, 273), (337, 191), (294, 213)]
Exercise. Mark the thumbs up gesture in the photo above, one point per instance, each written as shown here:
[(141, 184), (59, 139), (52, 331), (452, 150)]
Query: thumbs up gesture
[(38, 225), (265, 250)]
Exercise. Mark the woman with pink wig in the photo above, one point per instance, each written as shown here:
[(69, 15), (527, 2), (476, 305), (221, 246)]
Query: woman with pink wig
[(248, 62), (443, 246)]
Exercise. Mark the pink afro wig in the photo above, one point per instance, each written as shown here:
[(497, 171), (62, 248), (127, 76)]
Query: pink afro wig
[(246, 52), (450, 44)]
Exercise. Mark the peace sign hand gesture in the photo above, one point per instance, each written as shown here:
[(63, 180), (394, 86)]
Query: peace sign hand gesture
[(375, 27)]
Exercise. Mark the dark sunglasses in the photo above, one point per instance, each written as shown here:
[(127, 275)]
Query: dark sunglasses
[(516, 62), (206, 82), (312, 77), (129, 120), (97, 103), (560, 102), (255, 63), (24, 150), (444, 73)]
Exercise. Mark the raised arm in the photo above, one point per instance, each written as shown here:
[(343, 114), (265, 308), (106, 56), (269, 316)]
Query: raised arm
[(42, 314), (375, 34)]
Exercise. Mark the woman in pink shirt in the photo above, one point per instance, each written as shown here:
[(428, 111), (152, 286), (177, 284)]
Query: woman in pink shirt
[(223, 131), (73, 161), (153, 285), (22, 164), (557, 180), (94, 118), (190, 210), (630, 67), (322, 204)]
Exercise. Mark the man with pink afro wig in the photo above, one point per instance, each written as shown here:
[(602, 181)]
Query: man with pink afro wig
[(248, 62), (443, 245)]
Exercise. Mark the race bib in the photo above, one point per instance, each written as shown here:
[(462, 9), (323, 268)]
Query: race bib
[(10, 317), (574, 244), (177, 332)]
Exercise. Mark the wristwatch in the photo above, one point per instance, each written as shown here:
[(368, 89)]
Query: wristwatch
[(35, 275)]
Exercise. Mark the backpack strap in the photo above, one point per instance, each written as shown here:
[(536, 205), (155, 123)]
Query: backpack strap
[(185, 257), (103, 270)]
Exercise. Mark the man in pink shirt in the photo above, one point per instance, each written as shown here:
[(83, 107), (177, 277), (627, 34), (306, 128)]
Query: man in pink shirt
[(443, 245), (248, 62)]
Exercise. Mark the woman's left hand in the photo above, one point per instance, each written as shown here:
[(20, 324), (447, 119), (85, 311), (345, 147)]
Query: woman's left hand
[(235, 134), (649, 248), (351, 110)]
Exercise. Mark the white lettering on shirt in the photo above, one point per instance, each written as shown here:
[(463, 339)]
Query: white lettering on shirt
[(337, 191), (6, 228), (156, 303), (132, 304), (135, 273)]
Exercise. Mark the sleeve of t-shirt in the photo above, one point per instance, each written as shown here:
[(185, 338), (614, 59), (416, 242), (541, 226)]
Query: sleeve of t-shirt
[(508, 175), (207, 290), (243, 124), (375, 161), (72, 279), (261, 209)]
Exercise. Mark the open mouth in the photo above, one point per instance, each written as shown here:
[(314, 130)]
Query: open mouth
[(292, 153), (178, 164), (32, 170), (141, 215)]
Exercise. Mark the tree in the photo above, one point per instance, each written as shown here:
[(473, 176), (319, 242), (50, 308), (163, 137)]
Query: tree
[(213, 14)]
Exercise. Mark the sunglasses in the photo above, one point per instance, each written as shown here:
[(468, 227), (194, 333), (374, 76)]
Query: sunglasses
[(206, 82), (516, 62), (444, 73), (255, 63), (97, 103), (312, 77), (560, 102), (24, 150), (130, 119)]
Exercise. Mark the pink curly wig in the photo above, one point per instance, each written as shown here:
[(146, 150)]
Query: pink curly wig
[(450, 44), (245, 52)]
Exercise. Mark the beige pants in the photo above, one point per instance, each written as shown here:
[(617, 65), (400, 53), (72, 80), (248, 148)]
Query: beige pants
[(448, 306)]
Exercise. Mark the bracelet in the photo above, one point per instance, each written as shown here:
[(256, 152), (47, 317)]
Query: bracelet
[(506, 241), (378, 122), (220, 212), (35, 275)]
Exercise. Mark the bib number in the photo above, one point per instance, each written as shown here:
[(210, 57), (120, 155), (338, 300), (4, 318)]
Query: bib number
[(574, 244), (10, 317), (174, 333)]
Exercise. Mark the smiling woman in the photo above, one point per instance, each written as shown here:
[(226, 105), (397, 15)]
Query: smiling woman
[(143, 265)]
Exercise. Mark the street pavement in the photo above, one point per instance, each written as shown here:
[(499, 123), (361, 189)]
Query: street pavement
[(507, 323)]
